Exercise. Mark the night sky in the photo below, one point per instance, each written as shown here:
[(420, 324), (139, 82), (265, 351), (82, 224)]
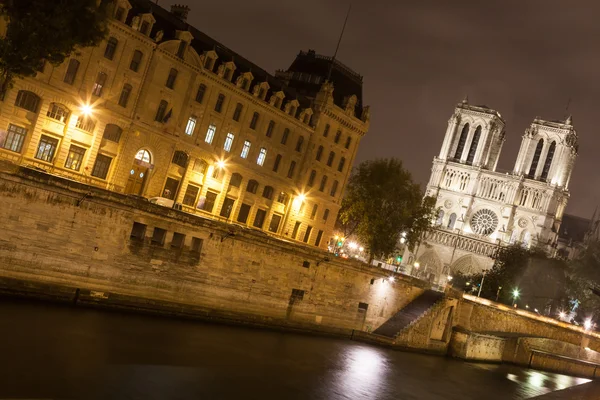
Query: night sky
[(420, 57)]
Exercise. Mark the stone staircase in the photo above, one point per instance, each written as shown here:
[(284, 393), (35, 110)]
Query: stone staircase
[(409, 314)]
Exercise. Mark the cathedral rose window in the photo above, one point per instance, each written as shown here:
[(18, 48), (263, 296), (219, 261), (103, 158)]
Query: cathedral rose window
[(484, 222)]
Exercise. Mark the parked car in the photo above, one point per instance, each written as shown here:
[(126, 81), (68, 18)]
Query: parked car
[(162, 201)]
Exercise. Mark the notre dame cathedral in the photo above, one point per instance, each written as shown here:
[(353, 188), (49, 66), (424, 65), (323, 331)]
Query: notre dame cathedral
[(482, 208)]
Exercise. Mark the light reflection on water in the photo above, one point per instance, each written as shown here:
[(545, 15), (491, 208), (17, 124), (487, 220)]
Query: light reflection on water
[(363, 371)]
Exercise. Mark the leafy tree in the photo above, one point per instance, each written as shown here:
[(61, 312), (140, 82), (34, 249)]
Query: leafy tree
[(584, 282), (381, 202), (43, 30)]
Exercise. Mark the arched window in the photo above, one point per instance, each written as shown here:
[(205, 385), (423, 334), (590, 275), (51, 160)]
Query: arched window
[(85, 123), (238, 112), (27, 100), (112, 132), (451, 221), (58, 112), (341, 164), (323, 183), (111, 47), (200, 93), (474, 143), (161, 110), (461, 142), (136, 60), (536, 158), (330, 158), (311, 178), (319, 153), (124, 97), (200, 166), (219, 103), (71, 71), (268, 192), (236, 180), (144, 156), (334, 187), (299, 143), (252, 186), (276, 163), (254, 120), (440, 218), (337, 137), (548, 162), (171, 78), (180, 158)]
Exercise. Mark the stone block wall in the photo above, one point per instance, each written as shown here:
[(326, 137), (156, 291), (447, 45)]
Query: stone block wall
[(61, 232)]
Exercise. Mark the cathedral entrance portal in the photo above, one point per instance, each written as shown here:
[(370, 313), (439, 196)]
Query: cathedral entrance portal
[(138, 174)]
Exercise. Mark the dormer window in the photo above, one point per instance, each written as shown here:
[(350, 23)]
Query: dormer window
[(260, 90), (144, 23), (120, 14), (145, 28), (277, 99), (244, 80), (226, 70), (210, 57), (306, 118), (121, 10), (185, 38), (305, 115), (291, 107)]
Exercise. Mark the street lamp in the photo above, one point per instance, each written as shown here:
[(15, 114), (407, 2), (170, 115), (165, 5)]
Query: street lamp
[(587, 324), (515, 294), (221, 164)]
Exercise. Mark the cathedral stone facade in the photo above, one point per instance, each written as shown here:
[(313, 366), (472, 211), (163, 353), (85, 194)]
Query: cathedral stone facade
[(481, 208)]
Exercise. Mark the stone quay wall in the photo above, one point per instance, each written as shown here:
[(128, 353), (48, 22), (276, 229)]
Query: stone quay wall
[(67, 239)]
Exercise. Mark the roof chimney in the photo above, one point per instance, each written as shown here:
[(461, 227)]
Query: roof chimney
[(180, 11)]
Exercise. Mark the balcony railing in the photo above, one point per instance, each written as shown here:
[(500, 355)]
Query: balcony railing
[(470, 244)]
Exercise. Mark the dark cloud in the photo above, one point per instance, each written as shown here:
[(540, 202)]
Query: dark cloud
[(420, 57)]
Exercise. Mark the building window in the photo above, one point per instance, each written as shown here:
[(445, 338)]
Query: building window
[(270, 128), (259, 218), (138, 232), (261, 93), (326, 214), (158, 237), (210, 133), (243, 213), (284, 137), (299, 143), (75, 158), (291, 170), (236, 180), (348, 141), (191, 125), (85, 123), (268, 192), (296, 229), (334, 187), (307, 234), (161, 111), (99, 84), (181, 49), (209, 202), (171, 78), (144, 156), (548, 161), (228, 142), (275, 221), (323, 183), (311, 178), (319, 153), (71, 71), (283, 198), (136, 60), (124, 97), (252, 186), (219, 103), (58, 112), (254, 121), (101, 166), (341, 164), (111, 47), (276, 163), (473, 148), (170, 189), (200, 166), (318, 239), (112, 132), (14, 138), (227, 207), (238, 112), (261, 156), (338, 135), (27, 100), (245, 149), (461, 142), (180, 158), (536, 158), (200, 93), (293, 111), (119, 13), (178, 240), (217, 172), (313, 213), (330, 158), (145, 28), (326, 130), (46, 149)]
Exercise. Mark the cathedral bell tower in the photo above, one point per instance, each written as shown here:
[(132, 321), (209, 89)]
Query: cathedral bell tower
[(474, 136), (548, 151)]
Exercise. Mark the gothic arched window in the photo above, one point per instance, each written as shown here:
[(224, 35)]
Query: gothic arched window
[(536, 158), (461, 142), (440, 217), (451, 221), (548, 162), (474, 143)]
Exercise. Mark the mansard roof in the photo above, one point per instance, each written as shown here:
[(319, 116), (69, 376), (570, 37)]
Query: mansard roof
[(346, 82)]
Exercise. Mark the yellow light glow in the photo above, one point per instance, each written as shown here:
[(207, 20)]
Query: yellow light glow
[(449, 277), (391, 279), (301, 197), (417, 265), (87, 109), (221, 164)]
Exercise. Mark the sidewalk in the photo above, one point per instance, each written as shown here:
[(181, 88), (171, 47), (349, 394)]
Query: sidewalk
[(587, 391)]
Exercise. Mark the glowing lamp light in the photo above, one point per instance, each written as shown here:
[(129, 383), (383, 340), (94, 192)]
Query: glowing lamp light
[(417, 265), (353, 245), (516, 293), (391, 279), (361, 249), (449, 278), (86, 109), (221, 164), (587, 324), (301, 197), (562, 315)]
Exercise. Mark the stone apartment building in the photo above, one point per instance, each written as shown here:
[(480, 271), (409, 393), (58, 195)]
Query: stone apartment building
[(160, 109)]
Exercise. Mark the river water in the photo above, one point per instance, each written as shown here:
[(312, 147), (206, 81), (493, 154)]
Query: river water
[(58, 352)]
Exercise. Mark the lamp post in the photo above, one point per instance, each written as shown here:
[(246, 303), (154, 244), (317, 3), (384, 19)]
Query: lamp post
[(481, 284), (515, 296), (498, 293)]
